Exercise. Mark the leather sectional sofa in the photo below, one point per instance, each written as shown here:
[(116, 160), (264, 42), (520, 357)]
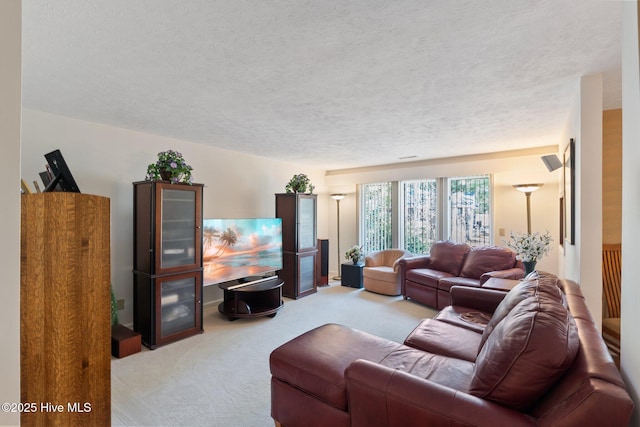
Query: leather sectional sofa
[(529, 357), (428, 278)]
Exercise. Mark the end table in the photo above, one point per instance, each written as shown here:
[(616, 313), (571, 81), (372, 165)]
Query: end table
[(351, 275)]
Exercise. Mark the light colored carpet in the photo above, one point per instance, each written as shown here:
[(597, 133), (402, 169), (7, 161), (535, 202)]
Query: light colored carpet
[(221, 377)]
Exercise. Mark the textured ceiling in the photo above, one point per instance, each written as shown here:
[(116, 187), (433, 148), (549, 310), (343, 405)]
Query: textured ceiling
[(330, 83)]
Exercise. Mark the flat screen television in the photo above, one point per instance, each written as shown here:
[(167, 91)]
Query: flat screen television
[(237, 249), (61, 178)]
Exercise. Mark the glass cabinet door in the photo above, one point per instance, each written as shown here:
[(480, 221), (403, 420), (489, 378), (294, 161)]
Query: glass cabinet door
[(179, 228), (306, 223), (179, 305)]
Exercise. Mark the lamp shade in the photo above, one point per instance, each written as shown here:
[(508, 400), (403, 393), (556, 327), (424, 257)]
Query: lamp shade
[(337, 196), (527, 188)]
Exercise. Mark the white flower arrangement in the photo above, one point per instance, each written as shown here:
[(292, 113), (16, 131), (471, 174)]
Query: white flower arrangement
[(529, 247), (354, 254)]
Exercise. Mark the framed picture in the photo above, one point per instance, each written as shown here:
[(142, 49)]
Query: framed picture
[(569, 203), (562, 220)]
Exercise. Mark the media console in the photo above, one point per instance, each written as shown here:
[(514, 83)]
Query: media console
[(261, 297)]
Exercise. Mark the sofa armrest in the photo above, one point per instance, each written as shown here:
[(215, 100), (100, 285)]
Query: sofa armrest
[(481, 299), (410, 263), (381, 396), (512, 273)]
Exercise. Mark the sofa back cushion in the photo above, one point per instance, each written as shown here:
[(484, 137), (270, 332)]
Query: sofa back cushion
[(526, 353), (483, 259), (516, 295), (448, 256)]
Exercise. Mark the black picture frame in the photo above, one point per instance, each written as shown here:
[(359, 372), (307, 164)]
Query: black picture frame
[(569, 192), (61, 179)]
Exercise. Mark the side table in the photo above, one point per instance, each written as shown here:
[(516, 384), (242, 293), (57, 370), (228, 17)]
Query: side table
[(500, 284), (351, 275)]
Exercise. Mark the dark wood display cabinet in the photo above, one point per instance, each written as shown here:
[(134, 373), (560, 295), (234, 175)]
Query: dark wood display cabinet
[(167, 261), (299, 243)]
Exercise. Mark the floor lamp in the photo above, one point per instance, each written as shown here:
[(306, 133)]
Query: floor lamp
[(337, 198), (527, 189)]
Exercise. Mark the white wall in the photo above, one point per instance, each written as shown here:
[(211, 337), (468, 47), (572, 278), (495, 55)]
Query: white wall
[(582, 260), (509, 205), (10, 84), (105, 160), (589, 194), (630, 339)]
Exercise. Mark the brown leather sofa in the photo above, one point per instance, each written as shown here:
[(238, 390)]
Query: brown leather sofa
[(529, 357), (428, 278)]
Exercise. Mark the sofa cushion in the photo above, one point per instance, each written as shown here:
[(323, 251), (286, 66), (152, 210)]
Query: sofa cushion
[(526, 353), (445, 339), (426, 276), (382, 273), (516, 295), (483, 259), (448, 256), (446, 283), (447, 371), (464, 317)]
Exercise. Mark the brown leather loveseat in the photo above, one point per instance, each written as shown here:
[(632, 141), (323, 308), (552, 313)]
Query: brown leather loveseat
[(428, 278), (529, 357)]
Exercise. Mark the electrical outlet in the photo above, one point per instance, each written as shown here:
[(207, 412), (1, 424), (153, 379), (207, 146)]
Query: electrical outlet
[(501, 232), (120, 304)]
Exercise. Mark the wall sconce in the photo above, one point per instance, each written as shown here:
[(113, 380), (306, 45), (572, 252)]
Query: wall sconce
[(337, 198), (527, 189), (552, 162)]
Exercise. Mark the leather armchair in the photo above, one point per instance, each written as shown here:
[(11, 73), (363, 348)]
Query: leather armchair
[(381, 271)]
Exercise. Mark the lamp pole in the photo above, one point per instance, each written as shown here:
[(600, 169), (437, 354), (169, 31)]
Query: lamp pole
[(527, 189), (337, 198)]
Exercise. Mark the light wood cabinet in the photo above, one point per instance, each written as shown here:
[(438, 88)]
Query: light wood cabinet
[(65, 329)]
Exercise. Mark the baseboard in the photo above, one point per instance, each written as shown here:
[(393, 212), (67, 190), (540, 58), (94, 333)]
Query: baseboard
[(211, 305)]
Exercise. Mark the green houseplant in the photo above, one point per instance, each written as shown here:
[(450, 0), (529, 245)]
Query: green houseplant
[(354, 254), (114, 309), (299, 183), (170, 166)]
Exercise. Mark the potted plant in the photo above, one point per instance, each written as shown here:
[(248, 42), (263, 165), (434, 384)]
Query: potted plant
[(299, 183), (114, 310), (354, 254), (529, 248), (170, 166)]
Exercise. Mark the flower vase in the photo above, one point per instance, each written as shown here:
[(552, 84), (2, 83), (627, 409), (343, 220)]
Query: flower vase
[(165, 175), (529, 267), (355, 261)]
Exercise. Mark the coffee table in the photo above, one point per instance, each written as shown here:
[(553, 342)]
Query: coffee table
[(260, 297)]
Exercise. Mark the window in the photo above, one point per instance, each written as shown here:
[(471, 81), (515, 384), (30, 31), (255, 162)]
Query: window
[(456, 209), (376, 216), (469, 201), (420, 218)]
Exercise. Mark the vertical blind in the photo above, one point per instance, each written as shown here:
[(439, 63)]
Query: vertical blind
[(469, 202), (377, 226), (420, 204), (425, 213)]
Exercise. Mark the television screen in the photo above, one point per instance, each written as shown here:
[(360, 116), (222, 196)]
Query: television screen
[(234, 249)]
